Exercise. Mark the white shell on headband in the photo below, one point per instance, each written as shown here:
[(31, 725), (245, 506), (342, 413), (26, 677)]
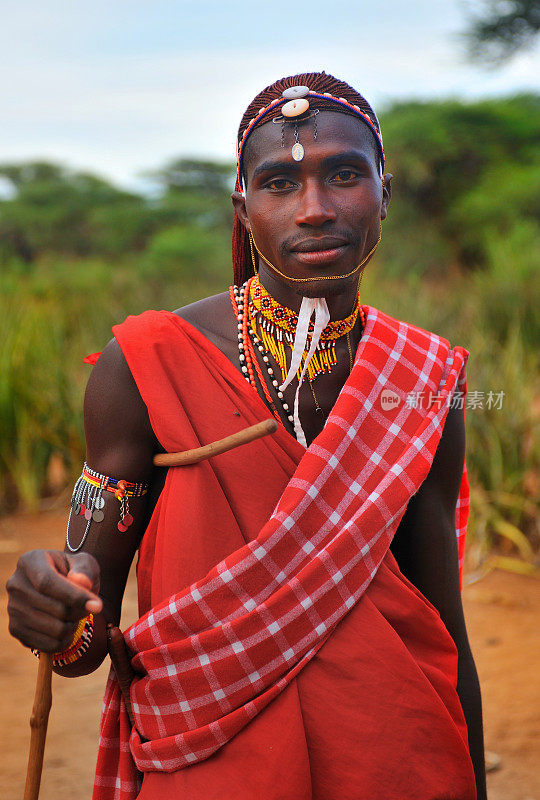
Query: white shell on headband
[(295, 92), (295, 107)]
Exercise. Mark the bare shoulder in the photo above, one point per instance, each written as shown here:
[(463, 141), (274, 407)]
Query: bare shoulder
[(111, 380), (214, 318), (118, 433)]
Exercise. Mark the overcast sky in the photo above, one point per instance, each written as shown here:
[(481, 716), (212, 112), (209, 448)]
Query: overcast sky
[(119, 87)]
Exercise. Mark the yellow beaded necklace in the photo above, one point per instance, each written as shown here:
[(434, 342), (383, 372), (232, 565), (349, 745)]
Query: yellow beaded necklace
[(275, 327)]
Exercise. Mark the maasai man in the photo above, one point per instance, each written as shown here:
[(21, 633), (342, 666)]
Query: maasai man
[(301, 630)]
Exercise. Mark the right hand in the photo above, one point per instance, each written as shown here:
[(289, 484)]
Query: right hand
[(49, 593)]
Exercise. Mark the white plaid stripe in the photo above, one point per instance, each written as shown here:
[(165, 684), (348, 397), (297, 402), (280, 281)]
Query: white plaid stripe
[(295, 571)]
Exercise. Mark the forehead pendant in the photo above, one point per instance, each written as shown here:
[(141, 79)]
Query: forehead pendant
[(296, 105), (297, 151)]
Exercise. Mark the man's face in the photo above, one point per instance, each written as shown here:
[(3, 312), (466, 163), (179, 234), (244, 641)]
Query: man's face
[(319, 216)]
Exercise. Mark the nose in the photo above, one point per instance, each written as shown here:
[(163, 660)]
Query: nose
[(315, 207)]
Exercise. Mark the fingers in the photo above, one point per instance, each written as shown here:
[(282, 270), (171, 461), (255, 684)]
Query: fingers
[(43, 632), (83, 570), (80, 579), (93, 606), (25, 593), (39, 621), (48, 594), (55, 586), (47, 580)]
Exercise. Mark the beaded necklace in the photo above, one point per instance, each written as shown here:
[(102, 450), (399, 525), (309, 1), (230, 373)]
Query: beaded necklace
[(248, 340), (246, 353), (274, 326)]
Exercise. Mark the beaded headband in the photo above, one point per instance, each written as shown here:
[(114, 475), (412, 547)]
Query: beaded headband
[(293, 98)]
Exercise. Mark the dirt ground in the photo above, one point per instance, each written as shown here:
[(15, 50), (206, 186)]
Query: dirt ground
[(503, 620)]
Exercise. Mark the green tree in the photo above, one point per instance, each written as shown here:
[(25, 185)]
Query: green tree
[(464, 172), (500, 28), (55, 210), (195, 192)]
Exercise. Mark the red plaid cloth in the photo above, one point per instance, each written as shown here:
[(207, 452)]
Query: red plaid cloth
[(214, 655)]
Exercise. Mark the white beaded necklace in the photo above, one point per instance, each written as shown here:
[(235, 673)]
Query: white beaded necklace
[(241, 298)]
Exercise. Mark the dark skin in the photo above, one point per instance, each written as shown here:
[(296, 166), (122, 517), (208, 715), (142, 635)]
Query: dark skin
[(332, 200)]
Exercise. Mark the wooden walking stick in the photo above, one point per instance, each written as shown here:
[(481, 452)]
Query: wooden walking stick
[(38, 726)]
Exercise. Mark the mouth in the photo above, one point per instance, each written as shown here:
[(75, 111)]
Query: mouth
[(319, 251)]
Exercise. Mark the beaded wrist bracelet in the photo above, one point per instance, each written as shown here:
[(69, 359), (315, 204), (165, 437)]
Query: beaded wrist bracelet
[(88, 501), (79, 644)]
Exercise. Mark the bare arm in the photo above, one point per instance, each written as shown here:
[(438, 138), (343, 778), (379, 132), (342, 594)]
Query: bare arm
[(425, 548), (44, 604)]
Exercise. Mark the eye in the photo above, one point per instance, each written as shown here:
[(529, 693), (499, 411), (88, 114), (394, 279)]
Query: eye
[(279, 184), (345, 176)]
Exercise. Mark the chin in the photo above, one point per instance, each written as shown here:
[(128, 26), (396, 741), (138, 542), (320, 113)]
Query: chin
[(327, 288)]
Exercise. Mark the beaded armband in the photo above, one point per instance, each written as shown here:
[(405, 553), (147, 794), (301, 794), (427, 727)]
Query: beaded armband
[(87, 500), (79, 644)]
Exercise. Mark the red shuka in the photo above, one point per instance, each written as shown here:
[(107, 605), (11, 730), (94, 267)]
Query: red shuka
[(375, 712)]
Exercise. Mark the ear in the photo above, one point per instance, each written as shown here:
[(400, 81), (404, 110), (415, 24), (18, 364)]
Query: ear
[(386, 193), (239, 203)]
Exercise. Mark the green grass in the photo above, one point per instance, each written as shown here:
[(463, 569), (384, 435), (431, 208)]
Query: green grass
[(494, 316)]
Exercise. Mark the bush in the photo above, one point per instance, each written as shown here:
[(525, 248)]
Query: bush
[(184, 252)]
